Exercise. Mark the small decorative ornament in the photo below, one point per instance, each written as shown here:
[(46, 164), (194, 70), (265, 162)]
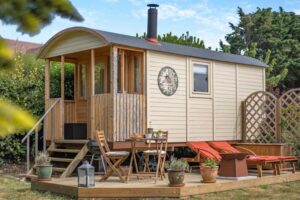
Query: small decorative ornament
[(86, 175), (167, 81)]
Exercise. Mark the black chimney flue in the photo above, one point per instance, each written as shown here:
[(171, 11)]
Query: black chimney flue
[(152, 23)]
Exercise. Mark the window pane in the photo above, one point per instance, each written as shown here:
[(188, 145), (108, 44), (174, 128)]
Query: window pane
[(82, 80), (99, 78), (200, 73), (136, 74)]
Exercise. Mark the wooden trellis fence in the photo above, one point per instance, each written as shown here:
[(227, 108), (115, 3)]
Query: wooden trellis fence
[(268, 119)]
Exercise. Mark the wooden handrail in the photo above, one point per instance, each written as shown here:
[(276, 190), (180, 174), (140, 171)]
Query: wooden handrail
[(39, 121)]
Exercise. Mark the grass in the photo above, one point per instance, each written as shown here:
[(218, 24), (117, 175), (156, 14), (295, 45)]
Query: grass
[(288, 191), (13, 190)]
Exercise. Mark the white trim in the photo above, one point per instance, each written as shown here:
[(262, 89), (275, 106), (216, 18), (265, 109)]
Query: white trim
[(210, 78)]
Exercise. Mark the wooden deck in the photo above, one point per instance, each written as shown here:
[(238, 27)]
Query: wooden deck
[(146, 187)]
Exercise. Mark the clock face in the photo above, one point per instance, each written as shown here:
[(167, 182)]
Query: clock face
[(167, 81)]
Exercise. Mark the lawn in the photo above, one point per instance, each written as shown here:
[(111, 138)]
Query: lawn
[(12, 189)]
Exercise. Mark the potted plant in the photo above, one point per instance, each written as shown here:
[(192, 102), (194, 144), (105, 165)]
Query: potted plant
[(159, 133), (209, 171), (176, 171), (149, 133), (43, 166)]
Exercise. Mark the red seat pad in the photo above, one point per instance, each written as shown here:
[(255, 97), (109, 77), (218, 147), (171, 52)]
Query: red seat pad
[(223, 147), (263, 158), (288, 158), (197, 146)]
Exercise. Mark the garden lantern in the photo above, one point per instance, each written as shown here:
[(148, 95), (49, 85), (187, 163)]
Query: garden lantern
[(86, 175)]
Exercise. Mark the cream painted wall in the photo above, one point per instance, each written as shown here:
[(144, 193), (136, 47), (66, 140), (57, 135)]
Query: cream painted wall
[(74, 41), (189, 117)]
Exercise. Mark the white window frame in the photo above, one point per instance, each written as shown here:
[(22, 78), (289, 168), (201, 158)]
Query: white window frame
[(210, 79)]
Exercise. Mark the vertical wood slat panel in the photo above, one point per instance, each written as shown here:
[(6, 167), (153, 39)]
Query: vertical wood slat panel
[(130, 115), (53, 127), (103, 113)]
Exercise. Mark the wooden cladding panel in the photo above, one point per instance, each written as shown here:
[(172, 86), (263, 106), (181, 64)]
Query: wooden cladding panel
[(82, 111), (53, 120), (70, 112), (103, 114), (130, 115)]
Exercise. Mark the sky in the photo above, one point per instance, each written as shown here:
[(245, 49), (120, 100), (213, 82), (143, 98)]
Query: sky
[(206, 19)]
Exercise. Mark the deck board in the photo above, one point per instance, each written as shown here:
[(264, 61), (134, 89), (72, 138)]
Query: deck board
[(147, 188)]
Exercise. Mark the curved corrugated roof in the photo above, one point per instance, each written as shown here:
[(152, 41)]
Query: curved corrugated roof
[(131, 41)]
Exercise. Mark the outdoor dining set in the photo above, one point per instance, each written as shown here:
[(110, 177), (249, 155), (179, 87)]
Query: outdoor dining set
[(156, 146)]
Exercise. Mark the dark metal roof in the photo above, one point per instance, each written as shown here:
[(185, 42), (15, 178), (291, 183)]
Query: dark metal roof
[(132, 41)]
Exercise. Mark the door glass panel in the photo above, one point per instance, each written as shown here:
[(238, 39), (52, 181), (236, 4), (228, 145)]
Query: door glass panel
[(82, 80), (99, 78)]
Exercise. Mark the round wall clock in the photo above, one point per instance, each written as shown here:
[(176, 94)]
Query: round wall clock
[(167, 81)]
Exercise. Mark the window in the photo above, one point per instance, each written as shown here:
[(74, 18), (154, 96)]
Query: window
[(200, 75), (200, 84), (82, 80), (136, 74), (99, 78)]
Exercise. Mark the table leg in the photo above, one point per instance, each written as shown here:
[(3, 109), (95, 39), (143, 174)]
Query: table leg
[(158, 162), (131, 160)]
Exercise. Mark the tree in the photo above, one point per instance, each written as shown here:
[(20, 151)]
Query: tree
[(271, 36), (185, 39), (31, 16)]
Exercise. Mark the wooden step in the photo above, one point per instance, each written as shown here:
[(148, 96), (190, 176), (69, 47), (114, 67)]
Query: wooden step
[(58, 169), (64, 150), (71, 141), (61, 159)]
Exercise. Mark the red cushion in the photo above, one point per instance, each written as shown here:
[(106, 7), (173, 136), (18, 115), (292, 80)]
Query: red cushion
[(197, 146), (223, 147), (288, 158), (263, 158)]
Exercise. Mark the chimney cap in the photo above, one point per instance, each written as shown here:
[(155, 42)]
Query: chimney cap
[(152, 5)]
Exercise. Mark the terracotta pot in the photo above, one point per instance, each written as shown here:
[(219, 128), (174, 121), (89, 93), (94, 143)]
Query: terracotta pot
[(208, 174), (176, 178)]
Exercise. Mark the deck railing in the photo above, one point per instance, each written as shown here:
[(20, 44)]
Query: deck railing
[(35, 131)]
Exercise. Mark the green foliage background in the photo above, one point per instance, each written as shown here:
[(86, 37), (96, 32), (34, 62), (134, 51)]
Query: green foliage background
[(271, 36), (24, 85)]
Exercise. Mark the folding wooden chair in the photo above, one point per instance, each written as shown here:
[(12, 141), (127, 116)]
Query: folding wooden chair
[(160, 153), (114, 159)]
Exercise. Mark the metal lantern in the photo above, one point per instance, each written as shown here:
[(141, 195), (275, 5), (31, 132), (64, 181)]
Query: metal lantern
[(86, 175)]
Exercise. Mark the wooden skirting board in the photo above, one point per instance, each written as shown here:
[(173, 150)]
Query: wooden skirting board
[(146, 188)]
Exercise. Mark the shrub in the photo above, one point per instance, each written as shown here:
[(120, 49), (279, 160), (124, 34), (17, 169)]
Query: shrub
[(11, 149), (24, 86)]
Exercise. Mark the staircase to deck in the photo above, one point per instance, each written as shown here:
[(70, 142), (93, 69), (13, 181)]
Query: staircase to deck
[(65, 155)]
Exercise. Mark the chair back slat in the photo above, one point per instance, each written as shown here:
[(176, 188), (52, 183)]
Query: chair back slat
[(102, 143)]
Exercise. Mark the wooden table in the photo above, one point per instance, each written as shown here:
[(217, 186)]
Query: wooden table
[(158, 143)]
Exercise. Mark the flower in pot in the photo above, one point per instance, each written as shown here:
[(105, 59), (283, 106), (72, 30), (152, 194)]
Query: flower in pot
[(159, 134), (176, 171), (209, 171), (43, 166)]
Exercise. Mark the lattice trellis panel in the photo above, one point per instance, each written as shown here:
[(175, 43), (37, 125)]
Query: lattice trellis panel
[(290, 117), (260, 109)]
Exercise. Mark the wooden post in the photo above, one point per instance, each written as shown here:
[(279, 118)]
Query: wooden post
[(62, 86), (92, 92), (278, 120), (113, 88), (243, 113)]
